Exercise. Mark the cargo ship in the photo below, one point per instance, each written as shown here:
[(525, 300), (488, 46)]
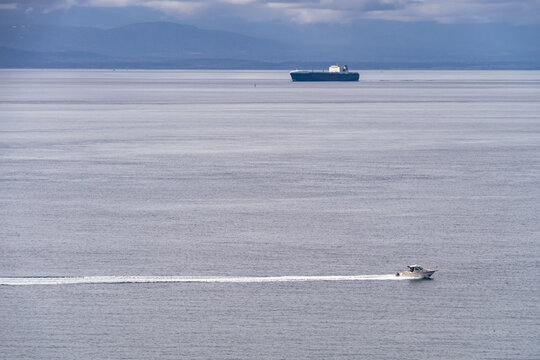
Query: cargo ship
[(334, 73)]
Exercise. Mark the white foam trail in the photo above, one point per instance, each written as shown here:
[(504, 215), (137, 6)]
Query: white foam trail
[(184, 279)]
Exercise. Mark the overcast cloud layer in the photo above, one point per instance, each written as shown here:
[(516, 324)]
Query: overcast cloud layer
[(317, 11)]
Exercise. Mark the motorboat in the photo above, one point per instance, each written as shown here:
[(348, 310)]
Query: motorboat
[(416, 272)]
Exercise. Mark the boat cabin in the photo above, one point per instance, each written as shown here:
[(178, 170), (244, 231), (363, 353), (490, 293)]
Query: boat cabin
[(414, 268), (338, 69)]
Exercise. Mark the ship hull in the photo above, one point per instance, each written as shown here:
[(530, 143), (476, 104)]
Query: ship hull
[(323, 76)]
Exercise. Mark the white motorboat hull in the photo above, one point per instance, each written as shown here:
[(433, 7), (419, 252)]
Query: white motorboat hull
[(425, 274)]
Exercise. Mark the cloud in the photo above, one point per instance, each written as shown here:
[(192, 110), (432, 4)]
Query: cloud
[(321, 11), (173, 7), (44, 5), (462, 11), (8, 6), (305, 14)]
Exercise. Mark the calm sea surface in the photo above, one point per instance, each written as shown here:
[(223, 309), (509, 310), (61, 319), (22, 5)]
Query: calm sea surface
[(235, 176)]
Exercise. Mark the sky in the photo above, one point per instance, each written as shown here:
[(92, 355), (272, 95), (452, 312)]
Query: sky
[(378, 31), (517, 12)]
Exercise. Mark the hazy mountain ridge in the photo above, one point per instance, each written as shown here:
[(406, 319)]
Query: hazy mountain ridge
[(172, 45), (157, 39)]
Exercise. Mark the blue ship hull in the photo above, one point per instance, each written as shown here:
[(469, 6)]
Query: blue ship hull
[(324, 76)]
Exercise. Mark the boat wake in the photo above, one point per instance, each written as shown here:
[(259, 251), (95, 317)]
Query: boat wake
[(20, 281)]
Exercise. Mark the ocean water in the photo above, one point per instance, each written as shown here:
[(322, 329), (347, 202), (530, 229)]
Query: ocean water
[(238, 215)]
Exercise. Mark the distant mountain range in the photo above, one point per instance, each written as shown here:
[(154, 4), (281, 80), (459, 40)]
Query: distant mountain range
[(156, 40), (172, 45)]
